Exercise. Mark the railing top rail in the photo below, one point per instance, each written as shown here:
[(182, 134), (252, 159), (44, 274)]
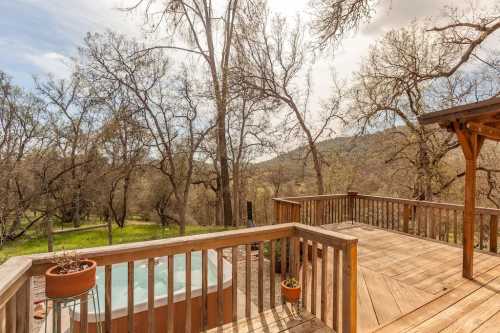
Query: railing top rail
[(286, 201), (479, 210), (106, 255), (328, 237), (310, 197), (13, 273)]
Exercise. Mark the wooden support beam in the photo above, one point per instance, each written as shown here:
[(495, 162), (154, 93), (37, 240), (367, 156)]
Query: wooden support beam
[(484, 130)]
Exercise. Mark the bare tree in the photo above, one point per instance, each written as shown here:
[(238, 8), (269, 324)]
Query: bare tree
[(170, 107), (276, 65), (332, 19), (206, 30), (405, 76)]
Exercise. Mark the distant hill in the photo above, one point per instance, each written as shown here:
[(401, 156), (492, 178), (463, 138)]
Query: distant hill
[(359, 163)]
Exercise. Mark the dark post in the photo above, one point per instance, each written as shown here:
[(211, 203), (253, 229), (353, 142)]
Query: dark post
[(250, 215), (351, 197)]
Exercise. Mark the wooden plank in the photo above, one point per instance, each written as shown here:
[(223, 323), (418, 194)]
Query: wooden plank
[(10, 315), (458, 310), (283, 258), (108, 326), (280, 319), (23, 308), (170, 293), (84, 324), (220, 287), (349, 288), (204, 289), (384, 303), (2, 320), (431, 309), (468, 226), (490, 325), (188, 292), (105, 255), (493, 233), (248, 280), (151, 295), (272, 275), (260, 299), (305, 270), (324, 281), (314, 277), (130, 297), (475, 317), (234, 286), (335, 290)]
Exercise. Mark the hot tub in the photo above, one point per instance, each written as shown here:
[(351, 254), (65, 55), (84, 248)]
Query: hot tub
[(119, 295)]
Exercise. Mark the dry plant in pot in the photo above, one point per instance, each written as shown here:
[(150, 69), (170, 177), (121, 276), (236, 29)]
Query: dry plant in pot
[(290, 290), (70, 276)]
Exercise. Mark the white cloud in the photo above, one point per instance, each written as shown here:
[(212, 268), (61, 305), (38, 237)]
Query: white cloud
[(50, 63)]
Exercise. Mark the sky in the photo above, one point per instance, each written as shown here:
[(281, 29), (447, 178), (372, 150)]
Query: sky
[(41, 36)]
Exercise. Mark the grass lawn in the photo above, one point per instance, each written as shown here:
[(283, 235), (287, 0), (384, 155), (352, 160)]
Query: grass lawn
[(99, 237)]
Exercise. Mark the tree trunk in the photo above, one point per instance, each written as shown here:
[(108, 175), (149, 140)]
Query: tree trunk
[(236, 196)]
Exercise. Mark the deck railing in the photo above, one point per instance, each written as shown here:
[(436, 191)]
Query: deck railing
[(433, 220), (17, 273)]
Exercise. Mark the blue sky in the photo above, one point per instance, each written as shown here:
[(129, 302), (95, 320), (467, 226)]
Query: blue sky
[(40, 36)]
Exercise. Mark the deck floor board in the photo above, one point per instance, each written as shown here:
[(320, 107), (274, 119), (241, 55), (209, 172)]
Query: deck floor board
[(410, 284)]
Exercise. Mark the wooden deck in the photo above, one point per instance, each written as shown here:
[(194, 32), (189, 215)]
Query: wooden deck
[(409, 284), (280, 319)]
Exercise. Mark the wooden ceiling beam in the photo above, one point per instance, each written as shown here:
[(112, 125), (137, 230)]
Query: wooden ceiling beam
[(484, 130)]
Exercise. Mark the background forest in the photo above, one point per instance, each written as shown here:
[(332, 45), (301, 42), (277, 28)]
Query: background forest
[(218, 111)]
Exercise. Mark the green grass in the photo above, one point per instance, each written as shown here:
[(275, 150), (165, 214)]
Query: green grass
[(98, 237)]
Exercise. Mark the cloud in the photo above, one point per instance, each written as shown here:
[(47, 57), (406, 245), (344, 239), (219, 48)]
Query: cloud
[(50, 63)]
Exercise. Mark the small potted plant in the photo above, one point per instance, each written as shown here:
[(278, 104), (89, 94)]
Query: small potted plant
[(290, 290), (70, 276)]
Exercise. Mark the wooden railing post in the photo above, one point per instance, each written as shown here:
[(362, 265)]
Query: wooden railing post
[(277, 212), (351, 195), (406, 217), (349, 287), (493, 233)]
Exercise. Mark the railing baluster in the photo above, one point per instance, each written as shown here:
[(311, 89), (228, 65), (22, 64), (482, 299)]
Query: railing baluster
[(349, 288), (260, 286), (272, 275), (248, 270), (204, 288), (23, 310), (335, 287), (108, 325), (2, 319), (324, 275), (455, 226), (305, 260), (151, 295), (220, 287), (84, 324), (189, 315), (234, 289), (10, 315), (130, 296), (481, 231), (170, 292), (283, 258), (493, 233), (314, 279)]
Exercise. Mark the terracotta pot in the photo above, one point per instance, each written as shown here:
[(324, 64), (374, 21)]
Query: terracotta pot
[(71, 284), (291, 295)]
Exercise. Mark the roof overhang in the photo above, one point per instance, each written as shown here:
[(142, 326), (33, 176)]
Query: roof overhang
[(482, 118)]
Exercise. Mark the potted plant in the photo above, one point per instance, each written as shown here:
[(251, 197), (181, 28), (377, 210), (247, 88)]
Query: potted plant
[(70, 276), (290, 290)]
